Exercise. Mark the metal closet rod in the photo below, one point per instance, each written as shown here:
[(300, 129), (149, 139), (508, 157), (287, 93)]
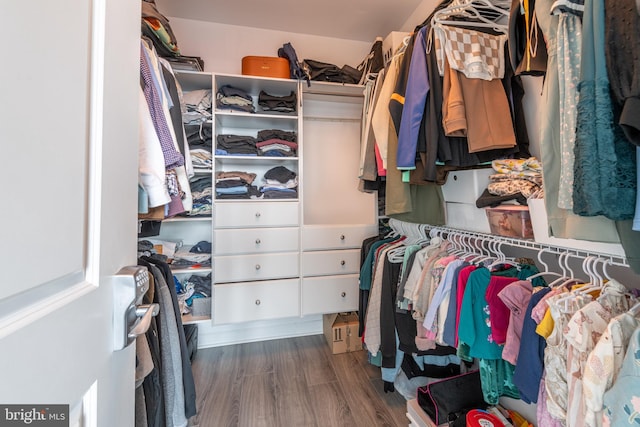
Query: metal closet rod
[(522, 243)]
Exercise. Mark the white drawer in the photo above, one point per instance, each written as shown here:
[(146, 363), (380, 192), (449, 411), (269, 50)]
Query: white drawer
[(256, 240), (318, 237), (240, 268), (256, 214), (323, 263), (466, 186), (242, 302), (467, 216), (330, 294)]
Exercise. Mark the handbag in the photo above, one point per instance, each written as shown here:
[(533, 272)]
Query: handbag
[(447, 399)]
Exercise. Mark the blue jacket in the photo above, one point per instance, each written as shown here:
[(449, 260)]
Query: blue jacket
[(414, 104)]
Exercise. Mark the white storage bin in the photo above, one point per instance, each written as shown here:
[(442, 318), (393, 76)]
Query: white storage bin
[(540, 225), (467, 216), (466, 186)]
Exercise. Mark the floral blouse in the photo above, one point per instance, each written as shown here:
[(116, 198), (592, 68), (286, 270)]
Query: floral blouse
[(622, 400)]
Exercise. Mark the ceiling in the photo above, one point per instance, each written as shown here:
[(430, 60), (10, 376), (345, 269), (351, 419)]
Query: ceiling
[(361, 20)]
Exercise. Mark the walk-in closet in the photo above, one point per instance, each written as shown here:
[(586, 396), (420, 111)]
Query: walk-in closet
[(366, 213), (462, 187)]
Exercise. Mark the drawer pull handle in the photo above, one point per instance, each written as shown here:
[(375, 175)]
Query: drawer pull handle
[(258, 241), (342, 237), (257, 266), (257, 214), (343, 262), (257, 302), (344, 294)]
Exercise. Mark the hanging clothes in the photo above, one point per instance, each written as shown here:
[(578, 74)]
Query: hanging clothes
[(562, 223), (582, 332), (604, 168), (604, 363), (529, 366), (621, 401)]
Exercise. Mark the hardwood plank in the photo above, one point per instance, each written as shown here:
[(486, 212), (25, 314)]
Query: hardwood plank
[(294, 381), (366, 405), (315, 362), (395, 402), (293, 400), (218, 373), (257, 357), (258, 401), (330, 406)]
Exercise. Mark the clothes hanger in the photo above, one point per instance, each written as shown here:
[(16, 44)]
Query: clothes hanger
[(546, 271), (477, 254), (400, 50), (582, 292), (414, 235), (454, 248), (480, 252), (596, 280), (565, 270), (572, 277), (471, 12), (603, 283), (502, 259), (463, 249)]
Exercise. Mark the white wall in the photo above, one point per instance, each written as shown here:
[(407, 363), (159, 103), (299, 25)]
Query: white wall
[(222, 47), (418, 16)]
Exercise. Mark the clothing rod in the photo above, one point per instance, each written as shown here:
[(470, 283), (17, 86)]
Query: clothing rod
[(332, 119), (333, 94), (522, 243), (529, 244)]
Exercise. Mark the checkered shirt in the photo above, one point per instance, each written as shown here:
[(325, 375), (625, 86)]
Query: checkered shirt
[(474, 53)]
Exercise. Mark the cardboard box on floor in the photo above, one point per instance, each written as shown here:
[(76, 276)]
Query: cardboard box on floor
[(341, 332)]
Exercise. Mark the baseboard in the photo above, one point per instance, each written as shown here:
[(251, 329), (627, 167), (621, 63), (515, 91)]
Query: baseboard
[(219, 335)]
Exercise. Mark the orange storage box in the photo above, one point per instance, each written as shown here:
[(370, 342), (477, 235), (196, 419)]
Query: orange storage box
[(266, 66)]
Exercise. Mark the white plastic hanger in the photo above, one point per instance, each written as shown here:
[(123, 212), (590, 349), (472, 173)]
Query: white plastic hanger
[(502, 259), (546, 271), (566, 271), (596, 280), (572, 277), (475, 13)]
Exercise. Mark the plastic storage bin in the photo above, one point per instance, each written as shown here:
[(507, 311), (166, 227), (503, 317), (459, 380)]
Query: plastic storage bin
[(510, 221), (465, 186)]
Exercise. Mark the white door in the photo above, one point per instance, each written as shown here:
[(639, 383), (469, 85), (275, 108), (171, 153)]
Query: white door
[(68, 139)]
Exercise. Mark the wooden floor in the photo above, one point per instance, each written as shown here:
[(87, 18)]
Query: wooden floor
[(291, 382)]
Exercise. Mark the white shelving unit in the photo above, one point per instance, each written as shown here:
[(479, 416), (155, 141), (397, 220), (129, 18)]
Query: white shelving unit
[(277, 259)]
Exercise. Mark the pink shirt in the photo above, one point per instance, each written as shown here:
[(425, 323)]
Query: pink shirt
[(516, 297)]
